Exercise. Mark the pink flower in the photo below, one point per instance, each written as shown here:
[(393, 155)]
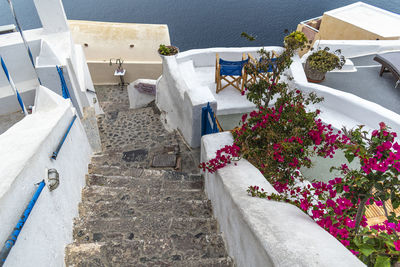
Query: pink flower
[(397, 245), (346, 188), (396, 146), (354, 252), (382, 125), (345, 242)]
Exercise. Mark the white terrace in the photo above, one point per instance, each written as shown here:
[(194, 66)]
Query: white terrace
[(187, 84)]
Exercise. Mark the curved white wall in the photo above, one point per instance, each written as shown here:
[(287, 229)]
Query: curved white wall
[(25, 154), (344, 109), (260, 232), (180, 97)]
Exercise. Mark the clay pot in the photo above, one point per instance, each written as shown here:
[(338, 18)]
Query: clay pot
[(313, 76)]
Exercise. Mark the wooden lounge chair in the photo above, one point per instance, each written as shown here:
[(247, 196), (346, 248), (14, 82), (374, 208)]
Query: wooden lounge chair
[(390, 62), (262, 72), (231, 72)]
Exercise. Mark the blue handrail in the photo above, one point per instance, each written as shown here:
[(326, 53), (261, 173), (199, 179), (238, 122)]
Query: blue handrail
[(64, 88), (55, 153), (21, 32), (17, 230), (209, 123), (10, 80)]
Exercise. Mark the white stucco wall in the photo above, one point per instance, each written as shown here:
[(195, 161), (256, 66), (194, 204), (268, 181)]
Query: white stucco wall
[(344, 109), (52, 15), (51, 46), (181, 94), (260, 232), (180, 105), (25, 154), (357, 48)]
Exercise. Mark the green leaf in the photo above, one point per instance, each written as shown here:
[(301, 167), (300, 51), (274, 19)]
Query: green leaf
[(366, 250), (349, 156), (382, 261), (395, 204)]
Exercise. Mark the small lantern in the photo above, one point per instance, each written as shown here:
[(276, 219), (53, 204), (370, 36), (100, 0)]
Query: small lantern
[(53, 179)]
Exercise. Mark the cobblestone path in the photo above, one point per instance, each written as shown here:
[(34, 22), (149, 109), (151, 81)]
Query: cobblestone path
[(134, 214)]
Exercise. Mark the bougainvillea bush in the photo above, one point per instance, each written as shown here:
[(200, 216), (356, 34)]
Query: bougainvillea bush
[(280, 137)]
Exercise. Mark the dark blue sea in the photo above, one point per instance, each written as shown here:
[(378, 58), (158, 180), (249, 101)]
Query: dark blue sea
[(197, 23)]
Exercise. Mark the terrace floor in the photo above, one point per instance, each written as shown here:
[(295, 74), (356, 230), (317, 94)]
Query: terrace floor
[(8, 120), (366, 83)]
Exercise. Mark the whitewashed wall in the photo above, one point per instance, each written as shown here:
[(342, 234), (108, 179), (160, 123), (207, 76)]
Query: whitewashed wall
[(357, 48), (25, 154), (21, 70), (51, 46), (260, 232), (180, 103)]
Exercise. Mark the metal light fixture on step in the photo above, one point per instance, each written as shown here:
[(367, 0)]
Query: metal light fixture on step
[(53, 179)]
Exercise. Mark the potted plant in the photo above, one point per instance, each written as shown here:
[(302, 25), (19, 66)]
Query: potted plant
[(167, 50), (322, 61), (296, 40)]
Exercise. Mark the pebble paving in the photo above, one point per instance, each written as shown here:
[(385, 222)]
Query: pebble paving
[(143, 204)]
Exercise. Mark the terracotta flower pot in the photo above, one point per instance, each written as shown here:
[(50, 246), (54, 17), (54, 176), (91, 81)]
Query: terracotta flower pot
[(313, 76)]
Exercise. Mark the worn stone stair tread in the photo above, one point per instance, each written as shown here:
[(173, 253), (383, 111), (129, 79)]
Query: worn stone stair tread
[(140, 253), (114, 170), (182, 208), (150, 250), (144, 179), (105, 193), (145, 226)]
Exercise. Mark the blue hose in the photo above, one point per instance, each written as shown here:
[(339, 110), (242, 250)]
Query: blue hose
[(55, 153), (17, 230)]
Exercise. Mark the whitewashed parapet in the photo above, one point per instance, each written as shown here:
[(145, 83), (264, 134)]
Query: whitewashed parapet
[(181, 94), (25, 154), (341, 108), (180, 105), (357, 48), (260, 232)]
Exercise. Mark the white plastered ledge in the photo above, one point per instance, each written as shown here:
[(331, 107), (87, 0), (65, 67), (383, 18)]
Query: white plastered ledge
[(260, 232)]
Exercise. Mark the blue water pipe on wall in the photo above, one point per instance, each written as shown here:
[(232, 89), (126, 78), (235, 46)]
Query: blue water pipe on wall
[(55, 153), (10, 80), (64, 88), (17, 230)]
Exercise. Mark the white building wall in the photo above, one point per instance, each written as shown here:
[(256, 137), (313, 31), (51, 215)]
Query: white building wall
[(52, 15), (26, 150)]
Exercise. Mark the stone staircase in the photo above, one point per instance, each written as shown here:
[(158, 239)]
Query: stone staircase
[(135, 214)]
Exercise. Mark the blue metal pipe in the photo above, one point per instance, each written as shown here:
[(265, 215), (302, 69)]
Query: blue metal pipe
[(64, 87), (10, 80), (55, 153), (17, 230), (21, 32)]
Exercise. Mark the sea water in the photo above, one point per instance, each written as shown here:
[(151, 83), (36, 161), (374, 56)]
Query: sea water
[(197, 23)]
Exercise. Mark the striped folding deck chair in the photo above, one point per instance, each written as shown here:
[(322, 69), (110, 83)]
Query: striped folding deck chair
[(264, 67), (232, 72)]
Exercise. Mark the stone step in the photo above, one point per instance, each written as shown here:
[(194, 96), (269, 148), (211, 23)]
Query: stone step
[(123, 209), (139, 195), (145, 180), (155, 252), (137, 172), (141, 227)]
